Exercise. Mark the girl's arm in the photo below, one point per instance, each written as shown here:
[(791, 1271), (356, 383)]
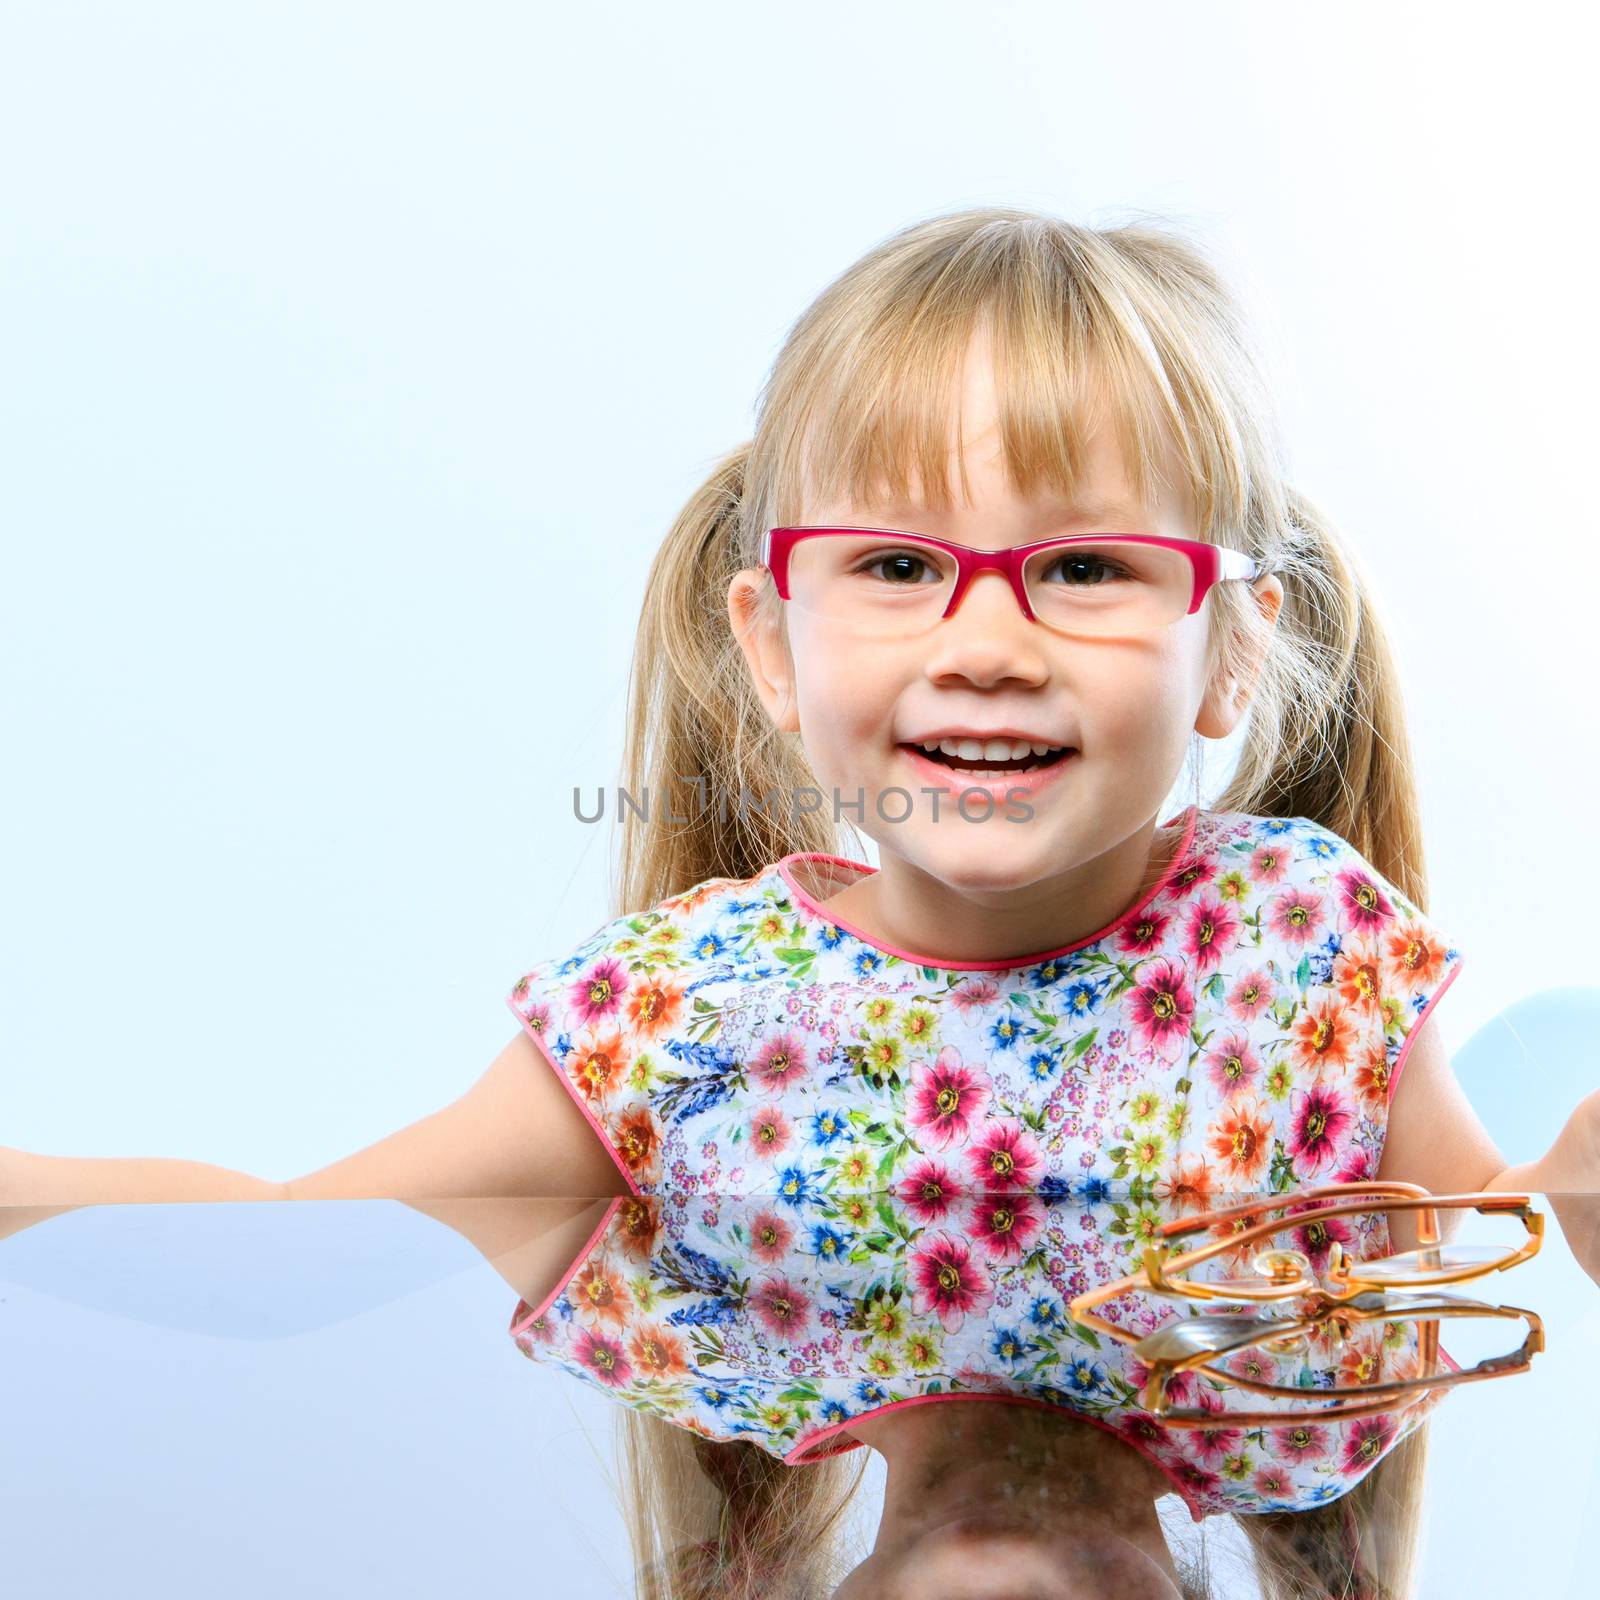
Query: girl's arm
[(516, 1132), (1435, 1139)]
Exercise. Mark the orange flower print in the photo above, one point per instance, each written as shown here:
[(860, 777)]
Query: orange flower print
[(1415, 959), (1188, 1183), (657, 1353), (595, 1065), (596, 994), (653, 1007), (1358, 976), (600, 1294), (1241, 1142), (1371, 1078), (638, 1226), (1324, 1038), (637, 1138)]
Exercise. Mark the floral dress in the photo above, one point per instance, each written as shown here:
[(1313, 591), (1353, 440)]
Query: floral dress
[(861, 1177)]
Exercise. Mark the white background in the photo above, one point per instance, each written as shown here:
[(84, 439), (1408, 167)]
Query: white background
[(355, 358)]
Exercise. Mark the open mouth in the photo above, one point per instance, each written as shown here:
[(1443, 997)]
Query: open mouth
[(1027, 763)]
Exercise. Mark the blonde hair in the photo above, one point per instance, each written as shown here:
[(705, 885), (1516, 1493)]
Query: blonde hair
[(1134, 327)]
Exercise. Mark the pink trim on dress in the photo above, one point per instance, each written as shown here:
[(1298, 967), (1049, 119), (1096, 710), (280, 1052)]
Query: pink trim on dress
[(577, 1099), (793, 1459), (571, 1273), (819, 908), (1426, 1012)]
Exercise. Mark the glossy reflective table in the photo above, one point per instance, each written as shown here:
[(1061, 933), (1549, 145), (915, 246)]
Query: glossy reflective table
[(321, 1398)]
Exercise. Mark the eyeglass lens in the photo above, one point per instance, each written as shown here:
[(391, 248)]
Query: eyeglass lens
[(876, 586)]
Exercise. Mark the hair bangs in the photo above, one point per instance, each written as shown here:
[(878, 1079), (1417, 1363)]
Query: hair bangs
[(878, 423)]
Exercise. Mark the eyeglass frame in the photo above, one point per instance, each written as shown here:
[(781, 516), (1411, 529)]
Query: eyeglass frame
[(1210, 563), (1338, 1306)]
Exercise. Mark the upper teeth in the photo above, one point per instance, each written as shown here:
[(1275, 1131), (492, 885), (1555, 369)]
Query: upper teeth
[(990, 749)]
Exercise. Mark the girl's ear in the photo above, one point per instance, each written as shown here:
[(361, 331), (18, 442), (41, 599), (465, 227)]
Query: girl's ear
[(1228, 697), (771, 669)]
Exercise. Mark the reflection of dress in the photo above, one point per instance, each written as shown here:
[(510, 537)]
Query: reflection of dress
[(778, 1319), (1239, 1030)]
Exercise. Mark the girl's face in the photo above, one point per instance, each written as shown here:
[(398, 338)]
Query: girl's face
[(1126, 705)]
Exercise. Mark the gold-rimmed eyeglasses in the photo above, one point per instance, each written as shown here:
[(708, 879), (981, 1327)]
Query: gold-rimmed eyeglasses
[(1350, 1291)]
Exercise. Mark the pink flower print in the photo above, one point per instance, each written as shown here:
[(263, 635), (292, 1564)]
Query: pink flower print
[(946, 1097), (783, 1309), (1296, 915), (1194, 871), (1162, 1007), (1006, 1157), (1211, 932), (780, 1061), (1190, 1475), (1273, 1482), (1143, 932), (1317, 1234), (946, 1281), (770, 1132), (1365, 906), (1366, 1439), (1321, 1117), (1269, 862), (973, 994), (928, 1189), (1299, 1441), (1212, 1444), (603, 1356), (1006, 1224), (537, 1016), (1231, 1064), (1251, 994), (595, 996)]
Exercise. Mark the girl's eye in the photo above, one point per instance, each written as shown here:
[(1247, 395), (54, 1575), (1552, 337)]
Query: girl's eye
[(898, 561), (1115, 568)]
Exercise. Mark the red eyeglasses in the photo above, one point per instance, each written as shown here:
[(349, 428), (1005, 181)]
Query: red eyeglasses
[(888, 583)]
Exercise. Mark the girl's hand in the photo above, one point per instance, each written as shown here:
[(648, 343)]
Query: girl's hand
[(1569, 1177)]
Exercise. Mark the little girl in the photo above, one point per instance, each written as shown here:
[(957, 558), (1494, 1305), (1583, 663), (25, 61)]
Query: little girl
[(865, 1132)]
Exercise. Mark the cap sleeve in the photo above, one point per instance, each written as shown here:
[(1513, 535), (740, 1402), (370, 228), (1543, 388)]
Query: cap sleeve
[(1412, 960), (579, 1010)]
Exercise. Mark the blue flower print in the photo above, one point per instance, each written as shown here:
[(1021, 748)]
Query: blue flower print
[(834, 1411), (1009, 1345), (1009, 1030), (1083, 997), (828, 1242), (826, 1126), (797, 1187)]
